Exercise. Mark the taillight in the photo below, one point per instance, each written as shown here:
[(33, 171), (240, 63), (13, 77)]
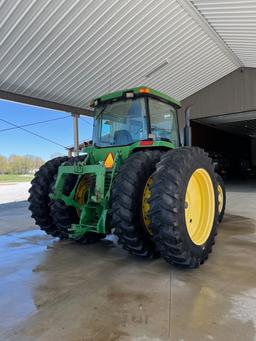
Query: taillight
[(146, 143)]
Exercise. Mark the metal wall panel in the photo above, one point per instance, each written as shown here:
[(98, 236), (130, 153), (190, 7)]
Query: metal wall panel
[(70, 51), (235, 22), (233, 93)]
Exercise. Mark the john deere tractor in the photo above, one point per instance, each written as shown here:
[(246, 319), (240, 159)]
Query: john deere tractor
[(136, 180)]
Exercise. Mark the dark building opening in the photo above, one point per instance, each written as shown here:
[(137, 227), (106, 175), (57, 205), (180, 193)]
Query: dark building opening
[(231, 142)]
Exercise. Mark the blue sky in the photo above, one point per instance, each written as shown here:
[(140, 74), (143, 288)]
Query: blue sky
[(20, 142)]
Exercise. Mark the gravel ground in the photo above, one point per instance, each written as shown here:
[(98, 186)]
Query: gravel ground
[(11, 192)]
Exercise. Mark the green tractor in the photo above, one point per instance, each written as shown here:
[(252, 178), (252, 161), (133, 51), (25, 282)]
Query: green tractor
[(136, 180)]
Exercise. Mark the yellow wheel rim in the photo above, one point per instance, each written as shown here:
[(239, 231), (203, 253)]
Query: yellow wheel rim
[(220, 198), (82, 192), (199, 206), (146, 206)]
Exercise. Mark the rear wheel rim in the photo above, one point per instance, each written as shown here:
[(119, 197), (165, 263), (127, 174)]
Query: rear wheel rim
[(82, 192), (220, 198), (146, 206), (199, 206)]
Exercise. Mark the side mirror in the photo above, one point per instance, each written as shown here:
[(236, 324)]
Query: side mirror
[(187, 128)]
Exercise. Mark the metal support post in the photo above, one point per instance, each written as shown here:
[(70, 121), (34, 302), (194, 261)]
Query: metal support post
[(76, 134)]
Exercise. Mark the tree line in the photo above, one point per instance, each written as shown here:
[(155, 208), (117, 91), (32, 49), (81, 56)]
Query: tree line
[(17, 164)]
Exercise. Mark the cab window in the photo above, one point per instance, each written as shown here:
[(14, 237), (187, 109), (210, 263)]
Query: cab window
[(163, 120)]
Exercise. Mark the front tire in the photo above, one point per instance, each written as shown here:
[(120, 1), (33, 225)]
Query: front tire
[(184, 206)]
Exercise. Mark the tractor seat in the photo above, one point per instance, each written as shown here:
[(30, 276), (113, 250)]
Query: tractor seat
[(122, 137)]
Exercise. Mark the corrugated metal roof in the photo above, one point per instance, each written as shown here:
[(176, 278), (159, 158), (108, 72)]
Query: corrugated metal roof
[(235, 22), (70, 51)]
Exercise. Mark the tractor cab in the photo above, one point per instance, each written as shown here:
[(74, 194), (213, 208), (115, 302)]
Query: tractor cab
[(123, 118)]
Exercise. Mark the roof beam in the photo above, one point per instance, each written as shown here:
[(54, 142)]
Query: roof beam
[(204, 24), (10, 96)]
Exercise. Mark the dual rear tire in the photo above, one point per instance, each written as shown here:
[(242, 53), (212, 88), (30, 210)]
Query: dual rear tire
[(168, 205)]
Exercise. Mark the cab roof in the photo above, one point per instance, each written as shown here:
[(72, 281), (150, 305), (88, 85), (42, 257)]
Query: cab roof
[(138, 91)]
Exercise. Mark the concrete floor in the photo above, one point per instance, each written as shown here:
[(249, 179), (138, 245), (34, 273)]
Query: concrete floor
[(12, 191), (52, 290)]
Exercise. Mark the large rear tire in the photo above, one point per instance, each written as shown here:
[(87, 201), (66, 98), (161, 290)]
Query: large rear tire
[(184, 206), (127, 203), (39, 195)]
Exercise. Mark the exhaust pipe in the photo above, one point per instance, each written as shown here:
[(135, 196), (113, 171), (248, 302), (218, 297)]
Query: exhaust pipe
[(187, 128)]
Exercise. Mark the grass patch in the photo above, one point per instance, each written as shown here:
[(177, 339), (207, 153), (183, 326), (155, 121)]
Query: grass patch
[(15, 178)]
